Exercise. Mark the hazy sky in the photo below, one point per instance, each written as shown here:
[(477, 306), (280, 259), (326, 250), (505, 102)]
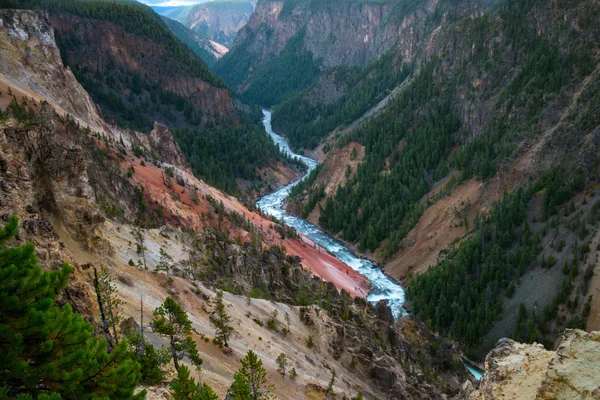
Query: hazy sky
[(171, 3)]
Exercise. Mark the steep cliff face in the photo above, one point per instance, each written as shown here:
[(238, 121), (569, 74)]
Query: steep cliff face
[(207, 49), (162, 143), (518, 371), (340, 34), (84, 195), (100, 53), (329, 33), (218, 20), (325, 36), (31, 61)]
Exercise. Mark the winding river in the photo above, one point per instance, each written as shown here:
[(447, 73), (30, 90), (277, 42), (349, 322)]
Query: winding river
[(384, 288)]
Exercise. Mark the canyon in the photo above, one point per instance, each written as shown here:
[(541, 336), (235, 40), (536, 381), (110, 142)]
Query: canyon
[(427, 128), (95, 187), (82, 194)]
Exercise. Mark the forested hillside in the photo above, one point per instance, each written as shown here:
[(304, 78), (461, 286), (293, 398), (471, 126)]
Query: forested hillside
[(290, 46), (198, 44), (135, 95), (515, 92), (293, 70), (500, 98), (309, 116), (161, 79)]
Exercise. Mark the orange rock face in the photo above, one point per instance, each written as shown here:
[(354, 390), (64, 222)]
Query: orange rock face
[(180, 209)]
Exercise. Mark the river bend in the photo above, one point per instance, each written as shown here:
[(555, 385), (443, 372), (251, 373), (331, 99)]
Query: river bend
[(273, 204)]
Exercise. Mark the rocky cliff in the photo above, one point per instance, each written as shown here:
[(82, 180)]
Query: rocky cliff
[(84, 196), (523, 109), (101, 52), (517, 371), (337, 44), (219, 20), (352, 33), (31, 62)]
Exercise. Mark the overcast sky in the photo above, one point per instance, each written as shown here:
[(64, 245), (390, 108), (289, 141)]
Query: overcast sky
[(171, 3)]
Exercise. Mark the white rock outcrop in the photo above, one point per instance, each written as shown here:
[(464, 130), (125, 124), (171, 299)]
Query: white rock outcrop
[(528, 371)]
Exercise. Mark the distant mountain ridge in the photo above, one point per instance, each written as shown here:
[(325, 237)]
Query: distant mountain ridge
[(217, 20), (209, 50)]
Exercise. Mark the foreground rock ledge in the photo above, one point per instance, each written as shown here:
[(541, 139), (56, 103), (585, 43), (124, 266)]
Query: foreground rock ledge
[(528, 371)]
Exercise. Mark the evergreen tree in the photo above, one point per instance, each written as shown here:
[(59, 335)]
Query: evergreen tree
[(281, 364), (152, 360), (49, 350), (184, 387), (109, 304), (286, 330), (165, 263), (220, 320), (331, 382), (140, 246), (250, 381), (170, 320)]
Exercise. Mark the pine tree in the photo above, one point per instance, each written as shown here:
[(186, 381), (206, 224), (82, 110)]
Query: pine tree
[(287, 323), (281, 364), (272, 322), (140, 246), (331, 382), (109, 304), (250, 381), (220, 320), (152, 361), (46, 349), (171, 321), (165, 263), (184, 387)]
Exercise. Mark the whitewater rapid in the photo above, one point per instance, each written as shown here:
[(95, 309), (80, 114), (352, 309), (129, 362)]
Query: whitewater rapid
[(384, 288)]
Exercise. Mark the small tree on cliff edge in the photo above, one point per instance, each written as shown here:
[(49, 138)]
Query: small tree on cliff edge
[(171, 321), (47, 350), (220, 320), (140, 245), (281, 364), (109, 305), (250, 381)]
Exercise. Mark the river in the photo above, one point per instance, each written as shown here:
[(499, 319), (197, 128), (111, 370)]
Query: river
[(273, 204)]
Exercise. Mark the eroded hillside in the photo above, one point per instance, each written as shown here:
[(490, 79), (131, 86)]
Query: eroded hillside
[(138, 72), (97, 196), (495, 99)]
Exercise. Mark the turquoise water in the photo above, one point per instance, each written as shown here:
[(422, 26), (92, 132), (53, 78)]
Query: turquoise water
[(384, 288)]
